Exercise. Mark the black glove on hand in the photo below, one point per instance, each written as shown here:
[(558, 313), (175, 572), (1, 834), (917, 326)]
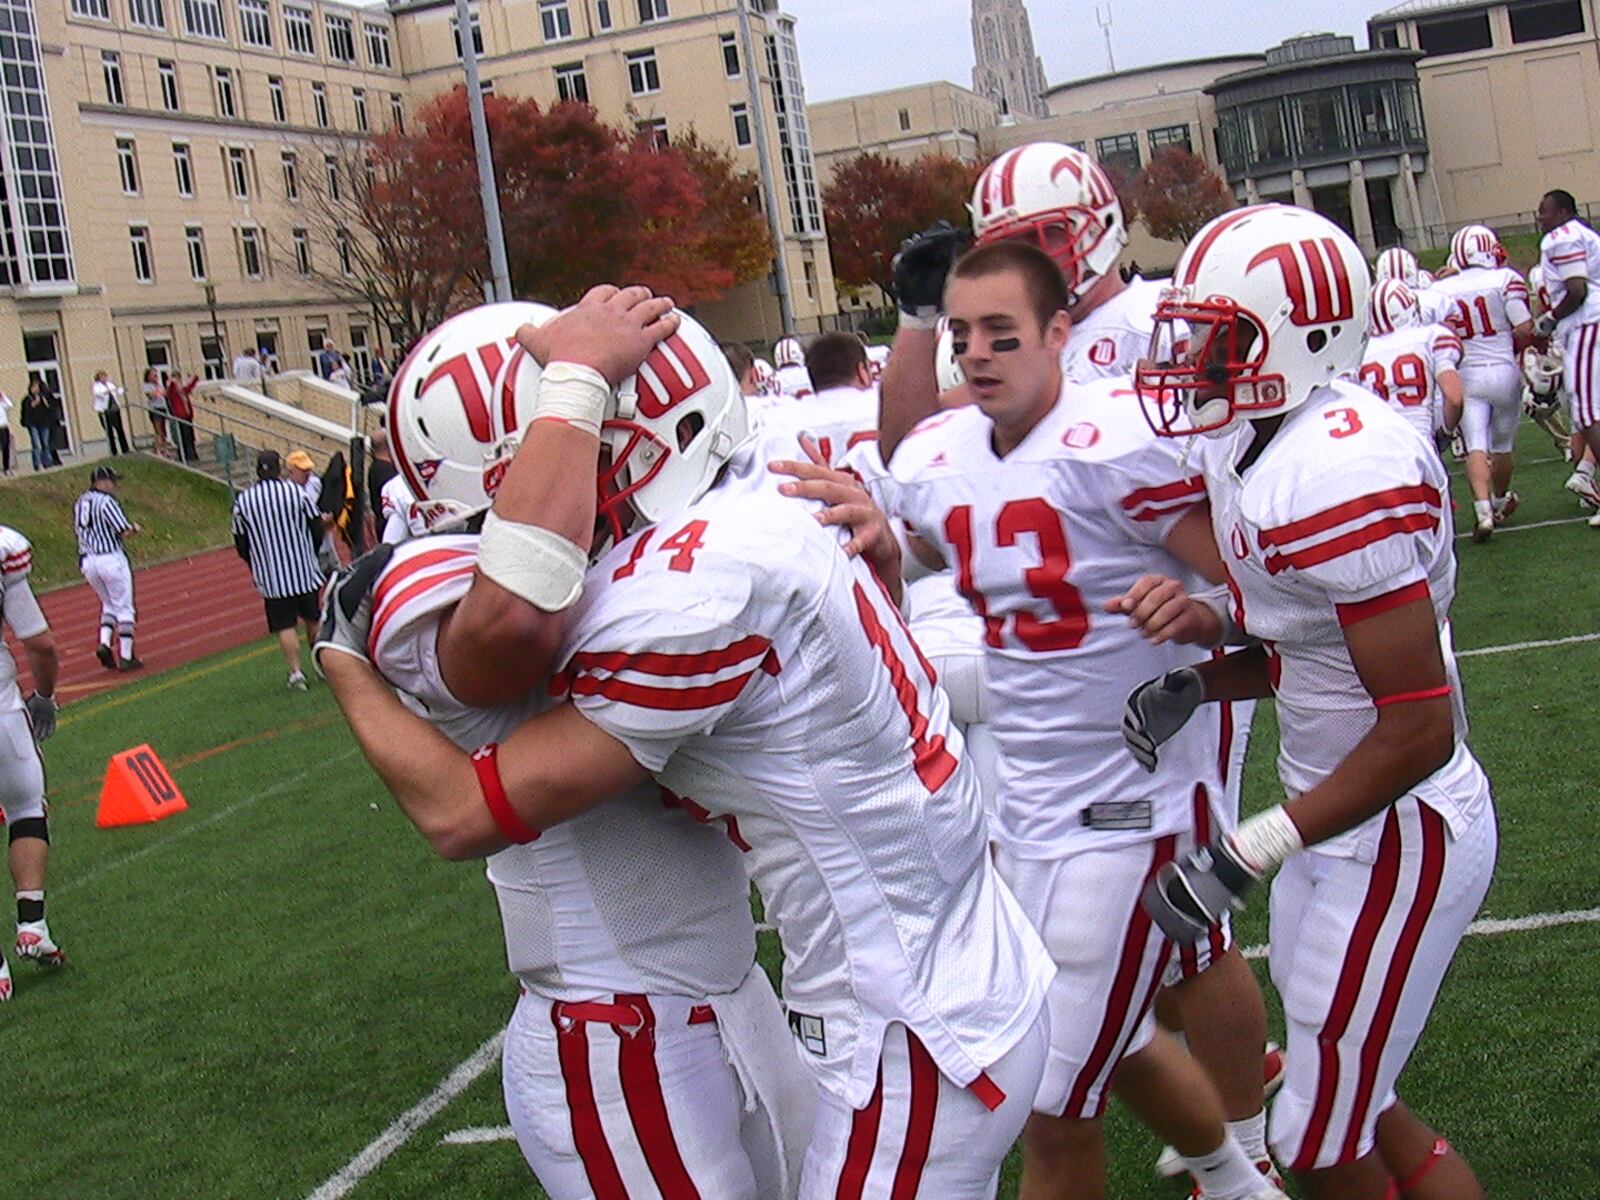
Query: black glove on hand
[(921, 268), (347, 606), (1189, 896)]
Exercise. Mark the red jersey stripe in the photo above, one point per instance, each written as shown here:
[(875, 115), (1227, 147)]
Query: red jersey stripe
[(668, 699), (1349, 510), (1365, 536), (397, 575), (1351, 614), (673, 665), (1191, 489), (408, 594)]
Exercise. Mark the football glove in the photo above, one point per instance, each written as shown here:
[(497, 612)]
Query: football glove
[(347, 607), (1189, 896), (41, 715), (1544, 324), (920, 269), (1157, 709)]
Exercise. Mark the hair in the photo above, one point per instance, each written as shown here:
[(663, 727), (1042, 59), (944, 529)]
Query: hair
[(268, 465), (1046, 285), (833, 360), (740, 358), (1562, 199)]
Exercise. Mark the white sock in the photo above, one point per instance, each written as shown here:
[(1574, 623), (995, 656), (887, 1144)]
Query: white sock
[(293, 675), (1226, 1173), (1586, 470), (125, 646), (1484, 509), (105, 635), (1251, 1134)]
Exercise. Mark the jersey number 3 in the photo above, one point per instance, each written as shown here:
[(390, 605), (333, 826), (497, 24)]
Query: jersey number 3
[(1047, 581)]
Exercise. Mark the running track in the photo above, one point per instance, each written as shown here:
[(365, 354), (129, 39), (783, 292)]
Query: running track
[(187, 609)]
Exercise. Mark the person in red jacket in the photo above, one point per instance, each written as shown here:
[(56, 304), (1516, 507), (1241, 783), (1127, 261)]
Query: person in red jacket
[(181, 410)]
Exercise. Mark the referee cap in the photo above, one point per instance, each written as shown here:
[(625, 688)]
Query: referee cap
[(103, 472), (300, 460), (268, 465)]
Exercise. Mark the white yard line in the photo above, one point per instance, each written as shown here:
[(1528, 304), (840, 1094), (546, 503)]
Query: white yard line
[(1492, 925), (1502, 530), (1513, 647), (478, 1135)]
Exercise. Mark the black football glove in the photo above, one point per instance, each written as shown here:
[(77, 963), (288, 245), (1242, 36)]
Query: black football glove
[(41, 715), (921, 268), (1189, 896), (347, 606), (1157, 709)]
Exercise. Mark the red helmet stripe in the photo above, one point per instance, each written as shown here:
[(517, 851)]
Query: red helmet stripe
[(1222, 226), (459, 371), (1008, 179)]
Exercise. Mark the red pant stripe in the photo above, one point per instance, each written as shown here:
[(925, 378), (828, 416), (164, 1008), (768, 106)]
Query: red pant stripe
[(1429, 874), (1166, 851), (1380, 894), (919, 1124), (647, 1107), (863, 1141), (588, 1135)]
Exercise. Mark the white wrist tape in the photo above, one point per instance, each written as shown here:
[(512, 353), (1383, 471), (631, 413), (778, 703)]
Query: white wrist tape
[(529, 561), (1266, 839), (924, 319), (572, 393), (1220, 603)]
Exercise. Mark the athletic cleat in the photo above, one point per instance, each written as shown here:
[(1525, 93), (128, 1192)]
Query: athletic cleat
[(1594, 521), (1169, 1163), (1273, 1189), (132, 664), (1504, 506), (5, 979), (103, 653), (1483, 530), (1583, 487), (297, 682), (33, 941)]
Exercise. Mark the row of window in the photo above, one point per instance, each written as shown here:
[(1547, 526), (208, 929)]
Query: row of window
[(1461, 33), (239, 169), (644, 74), (228, 96), (1363, 117), (250, 246), (203, 19), (555, 17), (1119, 153)]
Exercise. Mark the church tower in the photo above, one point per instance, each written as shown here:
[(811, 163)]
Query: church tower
[(1007, 71)]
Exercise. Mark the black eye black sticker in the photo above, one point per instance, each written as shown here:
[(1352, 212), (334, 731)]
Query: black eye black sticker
[(1006, 345), (958, 348)]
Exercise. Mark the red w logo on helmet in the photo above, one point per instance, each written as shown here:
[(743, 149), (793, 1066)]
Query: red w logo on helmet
[(1315, 278), (469, 387), (668, 377)]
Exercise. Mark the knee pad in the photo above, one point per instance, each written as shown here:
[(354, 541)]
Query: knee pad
[(30, 827)]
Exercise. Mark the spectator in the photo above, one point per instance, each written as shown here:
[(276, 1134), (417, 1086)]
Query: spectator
[(303, 474), (107, 393), (275, 528), (268, 361), (180, 407), (6, 405), (341, 372), (36, 419), (155, 402), (328, 359), (58, 424), (379, 471), (247, 368), (378, 375)]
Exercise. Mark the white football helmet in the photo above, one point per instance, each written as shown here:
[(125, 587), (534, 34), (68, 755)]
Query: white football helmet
[(788, 352), (1475, 246), (1268, 304), (1425, 278), (669, 432), (1543, 371), (1057, 198), (1396, 263), (457, 407), (945, 367), (1537, 287), (1391, 306), (763, 376)]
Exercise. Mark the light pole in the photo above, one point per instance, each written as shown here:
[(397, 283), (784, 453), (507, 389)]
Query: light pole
[(216, 334), (496, 237)]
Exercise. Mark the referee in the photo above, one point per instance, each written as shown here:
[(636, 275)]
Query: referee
[(101, 525), (275, 527)]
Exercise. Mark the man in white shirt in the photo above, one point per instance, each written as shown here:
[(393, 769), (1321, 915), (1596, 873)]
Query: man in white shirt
[(1569, 254), (106, 394), (247, 368)]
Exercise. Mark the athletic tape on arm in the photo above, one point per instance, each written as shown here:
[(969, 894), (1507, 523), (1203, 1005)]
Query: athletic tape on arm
[(532, 562), (574, 394)]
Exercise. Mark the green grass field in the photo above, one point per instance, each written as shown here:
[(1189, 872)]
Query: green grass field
[(259, 986), (181, 512)]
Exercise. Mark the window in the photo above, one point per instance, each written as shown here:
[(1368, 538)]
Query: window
[(225, 98), (741, 125), (377, 45), (477, 34), (794, 132), (654, 132), (1549, 19), (100, 10), (643, 75), (291, 175), (319, 103), (297, 29), (128, 166), (213, 357), (1320, 127), (905, 120), (203, 18), (485, 87), (238, 173), (397, 112), (1118, 154), (603, 13), (280, 110), (1170, 135), (183, 166), (1455, 35), (809, 270), (250, 251), (555, 20), (341, 37), (1372, 107), (147, 13), (330, 166), (255, 27), (1268, 136), (359, 97), (652, 10), (302, 253), (730, 56), (168, 72), (139, 242), (1386, 37), (195, 238), (571, 83), (341, 243), (111, 68)]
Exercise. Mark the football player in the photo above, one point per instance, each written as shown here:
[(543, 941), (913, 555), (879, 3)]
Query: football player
[(26, 722), (1569, 256), (638, 1057), (1334, 521), (1412, 366), (725, 643), (1488, 310), (790, 377), (1400, 264)]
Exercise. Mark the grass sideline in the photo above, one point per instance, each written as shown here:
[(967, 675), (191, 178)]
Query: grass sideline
[(181, 512), (258, 987)]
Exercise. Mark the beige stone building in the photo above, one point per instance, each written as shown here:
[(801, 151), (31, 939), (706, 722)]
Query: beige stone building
[(903, 124)]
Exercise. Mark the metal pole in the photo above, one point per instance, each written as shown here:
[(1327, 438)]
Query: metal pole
[(498, 267), (769, 187), (216, 334)]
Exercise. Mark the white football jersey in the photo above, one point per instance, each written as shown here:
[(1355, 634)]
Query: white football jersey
[(636, 895), (1040, 540), (745, 661), (1346, 513), (16, 561), (1484, 304), (838, 419), (1572, 251), (1432, 305), (1111, 340), (1403, 369), (792, 380), (877, 360), (398, 515)]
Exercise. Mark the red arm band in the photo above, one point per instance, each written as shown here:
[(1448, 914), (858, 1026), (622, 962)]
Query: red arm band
[(485, 761), (1408, 697)]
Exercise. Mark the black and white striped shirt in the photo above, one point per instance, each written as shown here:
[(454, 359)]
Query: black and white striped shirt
[(272, 522), (100, 522)]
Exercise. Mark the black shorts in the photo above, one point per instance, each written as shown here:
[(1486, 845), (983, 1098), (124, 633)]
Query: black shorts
[(283, 611)]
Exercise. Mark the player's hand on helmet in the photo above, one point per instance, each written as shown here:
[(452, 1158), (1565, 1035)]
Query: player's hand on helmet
[(1544, 324), (611, 330), (1157, 709), (847, 503), (347, 607), (1189, 896), (921, 268), (1163, 611), (41, 715)]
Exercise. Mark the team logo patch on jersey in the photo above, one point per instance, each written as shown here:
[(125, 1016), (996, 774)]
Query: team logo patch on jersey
[(1103, 353), (810, 1031), (1081, 436), (1241, 547)]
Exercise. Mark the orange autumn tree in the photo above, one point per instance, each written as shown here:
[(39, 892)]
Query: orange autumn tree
[(1177, 193)]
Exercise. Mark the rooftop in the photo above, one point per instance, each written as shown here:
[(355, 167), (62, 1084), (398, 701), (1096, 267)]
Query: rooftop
[(1422, 8), (1163, 66)]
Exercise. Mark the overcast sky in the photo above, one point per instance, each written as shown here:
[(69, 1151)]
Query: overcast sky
[(847, 47)]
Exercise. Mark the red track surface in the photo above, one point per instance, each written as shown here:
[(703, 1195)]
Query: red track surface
[(187, 609)]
